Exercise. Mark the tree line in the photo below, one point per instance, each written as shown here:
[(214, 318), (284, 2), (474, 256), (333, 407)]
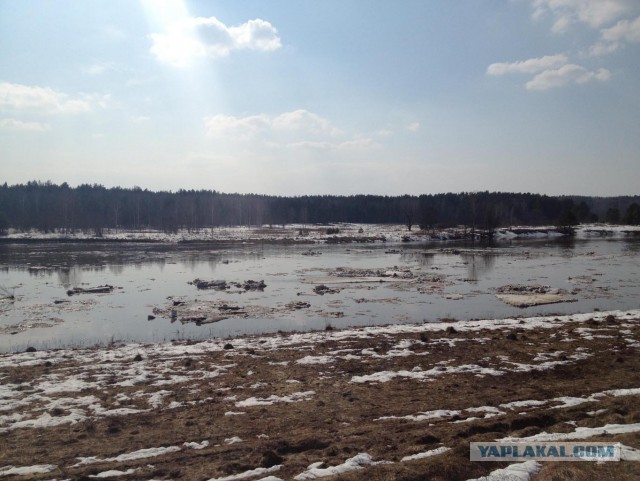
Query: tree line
[(46, 206)]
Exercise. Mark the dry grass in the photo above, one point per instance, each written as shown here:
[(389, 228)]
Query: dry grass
[(341, 419)]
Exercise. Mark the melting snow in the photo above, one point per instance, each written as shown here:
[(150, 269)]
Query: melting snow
[(423, 416), (24, 470), (194, 445), (315, 360), (579, 433), (420, 375), (514, 472), (233, 440), (249, 474), (140, 454), (314, 471), (291, 398), (426, 454), (113, 473)]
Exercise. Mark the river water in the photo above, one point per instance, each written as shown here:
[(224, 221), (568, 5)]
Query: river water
[(432, 282)]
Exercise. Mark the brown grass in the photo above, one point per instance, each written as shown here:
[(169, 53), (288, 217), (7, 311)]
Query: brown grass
[(340, 420)]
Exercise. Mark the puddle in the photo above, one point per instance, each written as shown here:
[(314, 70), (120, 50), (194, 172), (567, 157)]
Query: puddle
[(300, 288)]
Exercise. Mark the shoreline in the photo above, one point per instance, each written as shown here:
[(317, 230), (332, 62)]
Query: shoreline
[(314, 234)]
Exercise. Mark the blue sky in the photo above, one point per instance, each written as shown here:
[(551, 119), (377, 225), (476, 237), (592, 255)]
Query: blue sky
[(323, 97)]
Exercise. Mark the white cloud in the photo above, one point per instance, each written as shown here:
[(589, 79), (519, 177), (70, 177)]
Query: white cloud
[(551, 71), (384, 133), (305, 121), (414, 126), (41, 99), (236, 127), (594, 13), (627, 30), (346, 146), (530, 66), (300, 122), (201, 37), (567, 74), (13, 124), (298, 130), (140, 119), (98, 68), (613, 38)]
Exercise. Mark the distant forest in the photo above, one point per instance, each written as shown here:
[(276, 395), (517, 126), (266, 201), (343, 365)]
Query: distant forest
[(46, 207)]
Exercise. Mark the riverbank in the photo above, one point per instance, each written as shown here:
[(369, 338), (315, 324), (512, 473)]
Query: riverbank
[(379, 403), (309, 234)]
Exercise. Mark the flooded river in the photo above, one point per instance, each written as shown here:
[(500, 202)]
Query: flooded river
[(154, 297)]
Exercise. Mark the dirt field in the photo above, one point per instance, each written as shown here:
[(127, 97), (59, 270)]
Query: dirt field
[(381, 403)]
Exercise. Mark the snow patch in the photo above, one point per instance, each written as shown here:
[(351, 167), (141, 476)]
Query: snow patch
[(24, 470), (426, 454), (514, 472), (314, 471), (113, 473), (273, 399), (251, 473), (140, 454)]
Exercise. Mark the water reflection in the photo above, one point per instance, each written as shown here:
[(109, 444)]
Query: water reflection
[(116, 269), (70, 277), (478, 265), (424, 259)]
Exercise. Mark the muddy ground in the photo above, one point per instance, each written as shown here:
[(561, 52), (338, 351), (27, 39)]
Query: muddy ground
[(269, 407)]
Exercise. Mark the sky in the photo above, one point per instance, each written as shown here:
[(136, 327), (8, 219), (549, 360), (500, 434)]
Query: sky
[(345, 97)]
